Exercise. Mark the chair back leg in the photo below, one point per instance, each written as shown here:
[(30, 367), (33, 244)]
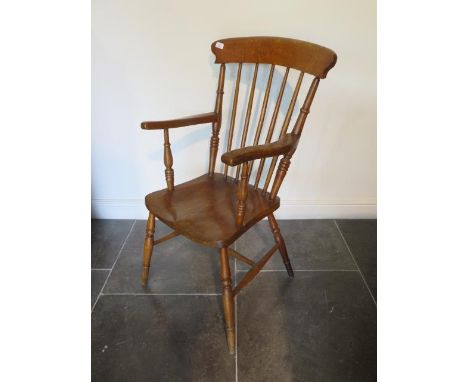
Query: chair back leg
[(281, 245), (228, 300), (148, 247)]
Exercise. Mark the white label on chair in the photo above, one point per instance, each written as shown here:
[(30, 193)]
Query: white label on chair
[(219, 45)]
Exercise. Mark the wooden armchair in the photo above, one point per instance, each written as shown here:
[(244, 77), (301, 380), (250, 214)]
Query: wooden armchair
[(215, 209)]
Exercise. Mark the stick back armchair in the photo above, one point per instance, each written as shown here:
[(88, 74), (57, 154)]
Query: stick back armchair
[(215, 209)]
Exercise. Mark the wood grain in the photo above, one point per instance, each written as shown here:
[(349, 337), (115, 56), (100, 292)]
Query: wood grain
[(247, 114), (214, 141), (301, 55), (180, 122), (272, 124), (168, 161), (281, 246), (281, 146), (284, 128), (204, 209), (242, 192), (228, 300), (215, 209), (148, 247), (233, 113)]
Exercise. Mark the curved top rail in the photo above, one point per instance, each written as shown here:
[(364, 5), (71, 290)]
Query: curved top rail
[(301, 55)]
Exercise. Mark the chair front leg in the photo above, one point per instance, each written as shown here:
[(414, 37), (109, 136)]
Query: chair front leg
[(228, 300), (148, 247), (281, 245)]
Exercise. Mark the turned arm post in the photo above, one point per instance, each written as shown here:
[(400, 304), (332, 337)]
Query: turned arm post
[(214, 141), (242, 190), (168, 161), (280, 174)]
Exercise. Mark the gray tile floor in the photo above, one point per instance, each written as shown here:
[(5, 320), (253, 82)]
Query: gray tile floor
[(320, 326)]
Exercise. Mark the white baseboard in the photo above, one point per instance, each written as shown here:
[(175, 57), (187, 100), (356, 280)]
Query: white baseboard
[(290, 209)]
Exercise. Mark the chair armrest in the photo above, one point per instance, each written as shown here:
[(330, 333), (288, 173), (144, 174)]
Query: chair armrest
[(246, 154), (180, 122)]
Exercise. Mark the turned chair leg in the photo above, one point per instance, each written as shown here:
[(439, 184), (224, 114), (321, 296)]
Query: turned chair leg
[(228, 300), (282, 246), (148, 248)]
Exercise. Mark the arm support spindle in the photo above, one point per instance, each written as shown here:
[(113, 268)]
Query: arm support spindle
[(168, 161), (242, 191), (173, 123)]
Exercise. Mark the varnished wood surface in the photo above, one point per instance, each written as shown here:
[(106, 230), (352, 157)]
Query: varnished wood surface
[(214, 141), (240, 257), (249, 276), (305, 109), (281, 245), (148, 247), (247, 114), (281, 146), (228, 300), (301, 55), (242, 194), (284, 128), (261, 119), (271, 129), (233, 113), (166, 237), (180, 122), (215, 209), (168, 161), (204, 209), (280, 174)]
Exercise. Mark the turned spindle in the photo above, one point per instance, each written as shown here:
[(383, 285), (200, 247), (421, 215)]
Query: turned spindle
[(286, 161), (306, 107), (242, 190), (214, 141), (280, 174), (284, 129), (247, 115), (233, 114), (272, 124), (261, 119), (228, 300), (168, 161)]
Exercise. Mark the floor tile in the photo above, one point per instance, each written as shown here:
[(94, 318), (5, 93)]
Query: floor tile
[(311, 244), (98, 277), (320, 326), (160, 338), (177, 266), (361, 236), (107, 237), (136, 239)]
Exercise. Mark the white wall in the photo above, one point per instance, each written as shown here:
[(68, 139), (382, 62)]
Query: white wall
[(152, 60)]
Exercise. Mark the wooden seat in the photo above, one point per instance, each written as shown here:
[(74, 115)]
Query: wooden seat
[(204, 209), (215, 209)]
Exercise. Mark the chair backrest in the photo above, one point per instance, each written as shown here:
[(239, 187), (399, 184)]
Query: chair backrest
[(305, 57)]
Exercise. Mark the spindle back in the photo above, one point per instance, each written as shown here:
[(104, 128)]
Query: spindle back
[(275, 52)]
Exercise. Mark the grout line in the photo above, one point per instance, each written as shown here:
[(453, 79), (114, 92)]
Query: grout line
[(304, 270), (355, 262), (235, 306), (115, 261), (160, 294), (101, 269)]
